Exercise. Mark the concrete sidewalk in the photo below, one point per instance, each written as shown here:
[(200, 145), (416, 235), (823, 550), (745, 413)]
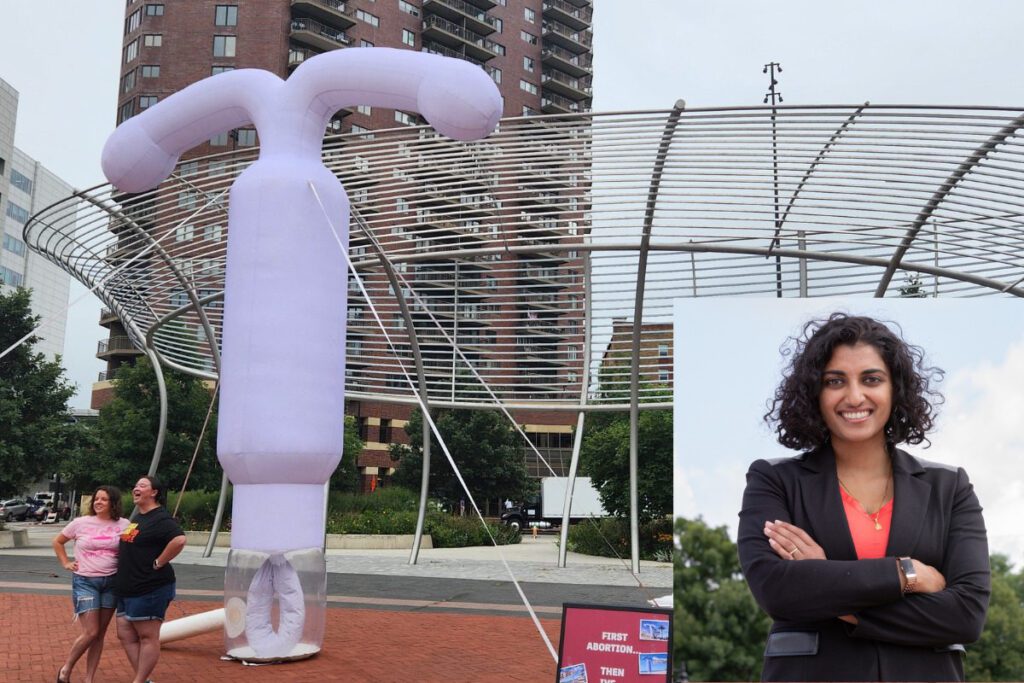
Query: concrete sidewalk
[(531, 560)]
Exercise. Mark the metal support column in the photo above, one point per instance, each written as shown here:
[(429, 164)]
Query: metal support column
[(638, 310)]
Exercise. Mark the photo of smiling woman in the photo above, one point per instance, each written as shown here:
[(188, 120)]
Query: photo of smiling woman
[(872, 563)]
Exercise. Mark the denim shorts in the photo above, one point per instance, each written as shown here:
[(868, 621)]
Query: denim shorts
[(92, 592), (152, 605)]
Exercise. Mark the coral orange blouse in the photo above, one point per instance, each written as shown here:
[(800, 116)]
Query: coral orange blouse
[(869, 542)]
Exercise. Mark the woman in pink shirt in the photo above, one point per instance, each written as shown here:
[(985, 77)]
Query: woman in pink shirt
[(96, 538)]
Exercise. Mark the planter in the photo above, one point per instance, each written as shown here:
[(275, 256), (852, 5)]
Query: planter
[(334, 541), (17, 538)]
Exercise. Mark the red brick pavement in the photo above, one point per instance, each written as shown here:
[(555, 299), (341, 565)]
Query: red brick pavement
[(361, 645)]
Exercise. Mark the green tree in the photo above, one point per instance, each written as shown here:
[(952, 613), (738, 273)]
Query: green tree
[(999, 654), (719, 629), (126, 432), (604, 457), (484, 447), (346, 477), (35, 431)]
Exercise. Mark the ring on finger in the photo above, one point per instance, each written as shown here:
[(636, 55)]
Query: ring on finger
[(794, 551)]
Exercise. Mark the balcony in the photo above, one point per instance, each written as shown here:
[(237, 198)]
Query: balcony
[(576, 65), (316, 35), (486, 4), (449, 33), (116, 346), (577, 89), (557, 277), (332, 12), (563, 36), (551, 103), (459, 11), (439, 49), (297, 55), (571, 15), (107, 317)]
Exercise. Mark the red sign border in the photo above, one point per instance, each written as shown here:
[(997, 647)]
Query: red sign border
[(660, 611)]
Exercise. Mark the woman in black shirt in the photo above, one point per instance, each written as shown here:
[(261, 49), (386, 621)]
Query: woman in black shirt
[(144, 583)]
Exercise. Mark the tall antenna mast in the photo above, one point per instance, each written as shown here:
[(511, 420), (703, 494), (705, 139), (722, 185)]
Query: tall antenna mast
[(776, 97)]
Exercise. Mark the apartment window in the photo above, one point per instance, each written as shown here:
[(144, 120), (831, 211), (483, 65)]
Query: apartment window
[(528, 87), (133, 22), (219, 140), (528, 37), (529, 64), (401, 204), (663, 376), (126, 111), (364, 109), (385, 431), (216, 303), (152, 40), (131, 51), (151, 71), (187, 200), (405, 119), (14, 245), (498, 48), (246, 137), (499, 25), (183, 233), (220, 69), (663, 350), (23, 183), (216, 168), (223, 46), (529, 15), (188, 168), (495, 74), (226, 15), (212, 233), (11, 277), (408, 37), (370, 19), (366, 133), (154, 10), (146, 101), (179, 298), (365, 43), (16, 212), (128, 81), (408, 9)]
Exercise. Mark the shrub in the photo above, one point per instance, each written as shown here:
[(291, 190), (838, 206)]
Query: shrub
[(392, 498), (592, 537), (197, 509), (448, 531)]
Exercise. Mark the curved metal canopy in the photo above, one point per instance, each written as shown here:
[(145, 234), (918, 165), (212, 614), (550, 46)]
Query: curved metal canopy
[(525, 247)]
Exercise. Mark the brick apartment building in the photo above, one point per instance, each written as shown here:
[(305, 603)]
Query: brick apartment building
[(538, 52)]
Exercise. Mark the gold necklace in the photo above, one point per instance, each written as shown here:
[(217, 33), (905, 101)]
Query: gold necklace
[(885, 495)]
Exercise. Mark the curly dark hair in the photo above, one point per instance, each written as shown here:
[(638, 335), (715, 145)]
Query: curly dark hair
[(794, 413), (114, 494)]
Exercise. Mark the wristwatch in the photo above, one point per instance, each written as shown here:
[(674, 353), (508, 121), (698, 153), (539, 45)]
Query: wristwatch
[(156, 564), (908, 571)]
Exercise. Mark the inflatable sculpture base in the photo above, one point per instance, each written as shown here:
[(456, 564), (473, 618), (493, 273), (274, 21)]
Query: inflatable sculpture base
[(255, 583)]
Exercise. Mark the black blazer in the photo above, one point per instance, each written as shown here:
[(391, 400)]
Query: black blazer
[(936, 519)]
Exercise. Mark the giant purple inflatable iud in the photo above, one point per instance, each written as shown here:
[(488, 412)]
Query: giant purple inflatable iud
[(282, 378)]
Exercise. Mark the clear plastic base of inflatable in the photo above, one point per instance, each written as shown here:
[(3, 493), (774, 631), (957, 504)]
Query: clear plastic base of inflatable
[(275, 604)]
